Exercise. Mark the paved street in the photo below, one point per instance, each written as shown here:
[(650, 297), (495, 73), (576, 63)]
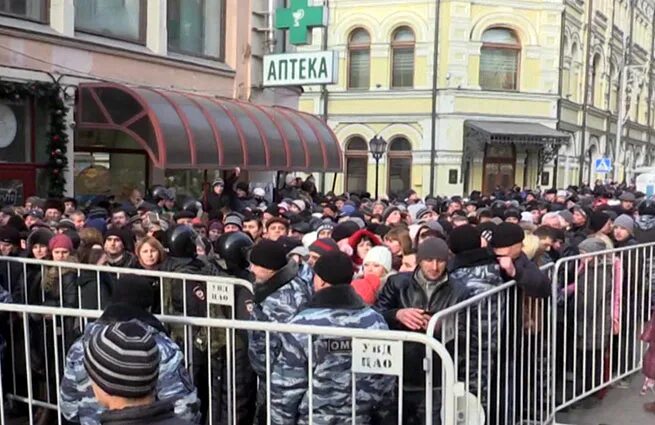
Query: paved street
[(620, 406)]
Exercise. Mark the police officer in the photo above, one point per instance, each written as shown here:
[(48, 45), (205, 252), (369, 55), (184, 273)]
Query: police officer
[(279, 294), (336, 304), (132, 301)]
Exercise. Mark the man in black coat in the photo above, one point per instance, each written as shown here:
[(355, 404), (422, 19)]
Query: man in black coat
[(219, 197), (507, 244)]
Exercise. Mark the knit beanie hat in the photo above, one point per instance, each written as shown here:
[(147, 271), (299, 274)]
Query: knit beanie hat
[(269, 254), (464, 238), (60, 241), (387, 212), (590, 245), (123, 360), (336, 268), (233, 219), (597, 220), (123, 234), (40, 236), (626, 222), (216, 225), (9, 235), (507, 234), (133, 290), (379, 255), (323, 246), (100, 224), (432, 249), (344, 230)]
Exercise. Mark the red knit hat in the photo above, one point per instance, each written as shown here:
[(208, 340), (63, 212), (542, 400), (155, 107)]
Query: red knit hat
[(60, 241)]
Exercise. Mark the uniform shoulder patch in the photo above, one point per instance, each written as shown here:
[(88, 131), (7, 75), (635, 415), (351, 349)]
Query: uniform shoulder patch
[(199, 292)]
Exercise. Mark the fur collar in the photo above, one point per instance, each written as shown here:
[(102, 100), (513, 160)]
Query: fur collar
[(337, 297), (474, 257)]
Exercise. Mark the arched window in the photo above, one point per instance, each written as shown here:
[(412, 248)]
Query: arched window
[(402, 52), (614, 89), (499, 59), (400, 165), (575, 72), (356, 164), (359, 59)]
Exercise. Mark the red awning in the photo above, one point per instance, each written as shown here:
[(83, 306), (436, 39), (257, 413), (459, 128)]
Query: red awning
[(183, 130)]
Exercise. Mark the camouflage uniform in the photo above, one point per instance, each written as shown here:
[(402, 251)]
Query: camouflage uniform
[(78, 403), (277, 300), (337, 306)]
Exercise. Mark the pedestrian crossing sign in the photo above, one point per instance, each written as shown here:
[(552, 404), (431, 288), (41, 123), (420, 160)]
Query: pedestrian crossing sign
[(603, 165)]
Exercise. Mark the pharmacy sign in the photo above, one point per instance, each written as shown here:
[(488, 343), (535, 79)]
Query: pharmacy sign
[(300, 18), (296, 69)]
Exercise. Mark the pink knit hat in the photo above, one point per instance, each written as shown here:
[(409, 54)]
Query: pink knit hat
[(60, 241)]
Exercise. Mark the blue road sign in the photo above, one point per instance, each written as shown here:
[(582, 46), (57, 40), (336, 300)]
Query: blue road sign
[(603, 165)]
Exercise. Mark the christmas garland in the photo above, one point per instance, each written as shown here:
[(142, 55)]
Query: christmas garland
[(49, 95)]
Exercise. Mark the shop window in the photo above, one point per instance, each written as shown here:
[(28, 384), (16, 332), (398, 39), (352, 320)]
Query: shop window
[(402, 51), (356, 165), (499, 59), (196, 27), (33, 10), (103, 173), (121, 19), (359, 59), (452, 176), (400, 165), (594, 89)]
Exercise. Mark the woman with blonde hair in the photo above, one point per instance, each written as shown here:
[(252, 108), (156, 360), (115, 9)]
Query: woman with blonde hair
[(151, 255)]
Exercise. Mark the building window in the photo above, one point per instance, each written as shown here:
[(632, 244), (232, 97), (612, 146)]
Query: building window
[(402, 51), (359, 59), (34, 10), (121, 19), (499, 59), (400, 165), (594, 89), (196, 27), (356, 165)]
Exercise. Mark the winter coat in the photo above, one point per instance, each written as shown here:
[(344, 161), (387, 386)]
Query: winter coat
[(127, 261), (594, 304), (367, 288), (532, 281), (277, 300), (174, 384), (402, 290), (90, 284), (645, 229), (648, 336), (335, 306), (472, 273), (158, 413), (11, 279)]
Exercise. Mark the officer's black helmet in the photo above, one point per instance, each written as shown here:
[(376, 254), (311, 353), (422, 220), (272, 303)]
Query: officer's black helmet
[(182, 242), (192, 205), (233, 249)]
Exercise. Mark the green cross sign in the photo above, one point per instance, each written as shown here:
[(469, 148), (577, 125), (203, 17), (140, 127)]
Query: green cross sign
[(299, 19)]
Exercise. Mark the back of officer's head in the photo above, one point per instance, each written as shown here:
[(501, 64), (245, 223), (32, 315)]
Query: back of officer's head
[(333, 268)]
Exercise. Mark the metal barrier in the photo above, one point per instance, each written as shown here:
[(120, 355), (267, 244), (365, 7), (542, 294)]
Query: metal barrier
[(500, 343), (600, 303), (370, 356)]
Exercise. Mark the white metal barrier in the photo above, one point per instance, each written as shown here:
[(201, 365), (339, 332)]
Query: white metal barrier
[(600, 304), (369, 353), (500, 343)]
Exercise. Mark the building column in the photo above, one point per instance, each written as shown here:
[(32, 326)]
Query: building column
[(62, 17)]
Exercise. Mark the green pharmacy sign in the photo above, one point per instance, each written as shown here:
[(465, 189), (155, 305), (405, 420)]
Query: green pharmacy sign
[(299, 19)]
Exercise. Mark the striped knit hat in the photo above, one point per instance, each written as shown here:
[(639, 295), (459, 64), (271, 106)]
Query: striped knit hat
[(123, 360)]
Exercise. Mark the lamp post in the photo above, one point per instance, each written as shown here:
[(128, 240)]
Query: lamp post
[(377, 146)]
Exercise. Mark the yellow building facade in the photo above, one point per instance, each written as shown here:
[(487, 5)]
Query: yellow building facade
[(508, 106)]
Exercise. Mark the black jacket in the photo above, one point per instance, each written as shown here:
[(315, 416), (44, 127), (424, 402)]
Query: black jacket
[(532, 281), (158, 413), (403, 291), (90, 283)]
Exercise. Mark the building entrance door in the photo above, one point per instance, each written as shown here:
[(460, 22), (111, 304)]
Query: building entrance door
[(499, 167), (16, 183)]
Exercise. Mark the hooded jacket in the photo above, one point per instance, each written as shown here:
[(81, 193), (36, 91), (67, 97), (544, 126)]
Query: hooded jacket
[(354, 240), (645, 228)]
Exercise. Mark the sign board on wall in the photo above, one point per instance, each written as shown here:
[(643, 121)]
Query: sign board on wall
[(377, 356), (296, 69)]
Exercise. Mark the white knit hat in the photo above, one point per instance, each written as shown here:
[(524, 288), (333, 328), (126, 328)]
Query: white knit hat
[(379, 255)]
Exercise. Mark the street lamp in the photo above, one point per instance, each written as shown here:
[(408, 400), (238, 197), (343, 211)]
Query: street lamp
[(377, 146)]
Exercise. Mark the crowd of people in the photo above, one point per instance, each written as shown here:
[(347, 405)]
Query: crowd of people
[(327, 260)]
